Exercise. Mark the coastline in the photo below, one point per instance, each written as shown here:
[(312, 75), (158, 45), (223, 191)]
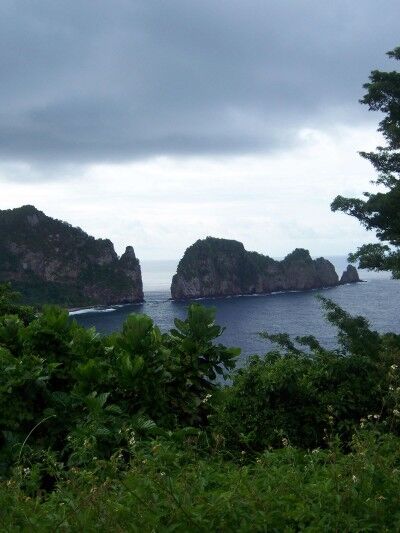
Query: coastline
[(72, 311), (271, 293)]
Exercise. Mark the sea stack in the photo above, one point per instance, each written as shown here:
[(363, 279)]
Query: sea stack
[(50, 261), (215, 267), (350, 275)]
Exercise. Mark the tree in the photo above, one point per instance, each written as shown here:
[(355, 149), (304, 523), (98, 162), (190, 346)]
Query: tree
[(381, 211)]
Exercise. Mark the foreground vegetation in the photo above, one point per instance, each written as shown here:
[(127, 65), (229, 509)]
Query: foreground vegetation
[(131, 431), (173, 488)]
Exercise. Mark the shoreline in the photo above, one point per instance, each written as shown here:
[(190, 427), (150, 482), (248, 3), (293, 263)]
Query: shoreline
[(99, 308), (255, 294)]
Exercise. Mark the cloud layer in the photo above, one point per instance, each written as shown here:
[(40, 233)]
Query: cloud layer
[(88, 82), (272, 203)]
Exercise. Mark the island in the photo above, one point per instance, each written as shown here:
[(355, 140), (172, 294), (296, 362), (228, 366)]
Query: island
[(50, 261), (215, 267)]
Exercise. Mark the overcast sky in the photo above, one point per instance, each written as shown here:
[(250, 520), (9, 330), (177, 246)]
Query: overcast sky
[(155, 123)]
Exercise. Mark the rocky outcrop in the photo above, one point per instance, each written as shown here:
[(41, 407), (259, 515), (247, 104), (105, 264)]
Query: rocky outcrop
[(219, 267), (50, 261), (350, 275)]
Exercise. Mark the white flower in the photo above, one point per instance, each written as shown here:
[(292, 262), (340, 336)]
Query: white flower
[(354, 478), (394, 367), (396, 412), (132, 439)]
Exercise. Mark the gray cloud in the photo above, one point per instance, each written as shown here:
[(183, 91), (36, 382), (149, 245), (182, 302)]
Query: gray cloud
[(87, 81)]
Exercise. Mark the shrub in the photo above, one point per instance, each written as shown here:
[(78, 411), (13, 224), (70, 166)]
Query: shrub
[(69, 391), (302, 396), (173, 488)]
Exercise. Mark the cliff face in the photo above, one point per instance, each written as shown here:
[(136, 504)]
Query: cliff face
[(350, 275), (50, 261), (221, 267)]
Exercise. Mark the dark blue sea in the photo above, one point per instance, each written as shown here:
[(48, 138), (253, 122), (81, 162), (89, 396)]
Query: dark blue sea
[(296, 313)]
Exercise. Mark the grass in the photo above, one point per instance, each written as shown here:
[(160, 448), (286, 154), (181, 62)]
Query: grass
[(176, 488)]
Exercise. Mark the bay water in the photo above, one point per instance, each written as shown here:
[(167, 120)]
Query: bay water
[(296, 313)]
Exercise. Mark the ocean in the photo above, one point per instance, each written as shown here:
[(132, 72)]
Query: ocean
[(244, 317)]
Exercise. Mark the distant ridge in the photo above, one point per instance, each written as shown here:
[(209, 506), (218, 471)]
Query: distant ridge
[(214, 267), (50, 261)]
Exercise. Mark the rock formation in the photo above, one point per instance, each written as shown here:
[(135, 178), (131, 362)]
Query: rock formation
[(350, 275), (50, 261), (219, 267)]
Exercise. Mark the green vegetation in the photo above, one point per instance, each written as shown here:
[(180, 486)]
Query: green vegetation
[(195, 258), (194, 261), (380, 211), (222, 267), (132, 432), (75, 387), (170, 488), (50, 261), (299, 394)]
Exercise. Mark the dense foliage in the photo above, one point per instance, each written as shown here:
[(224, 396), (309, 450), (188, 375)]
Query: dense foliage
[(223, 253), (132, 431), (380, 211), (301, 391), (226, 253), (81, 396), (173, 488)]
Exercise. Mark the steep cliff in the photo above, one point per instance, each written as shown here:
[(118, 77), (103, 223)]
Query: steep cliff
[(50, 261), (350, 275), (221, 267)]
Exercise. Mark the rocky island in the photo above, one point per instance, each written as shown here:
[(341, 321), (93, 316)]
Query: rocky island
[(50, 261), (214, 267)]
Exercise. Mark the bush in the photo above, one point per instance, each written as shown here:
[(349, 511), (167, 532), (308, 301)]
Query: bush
[(80, 396), (172, 488), (302, 396)]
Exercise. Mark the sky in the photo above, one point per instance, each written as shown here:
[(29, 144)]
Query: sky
[(156, 123)]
